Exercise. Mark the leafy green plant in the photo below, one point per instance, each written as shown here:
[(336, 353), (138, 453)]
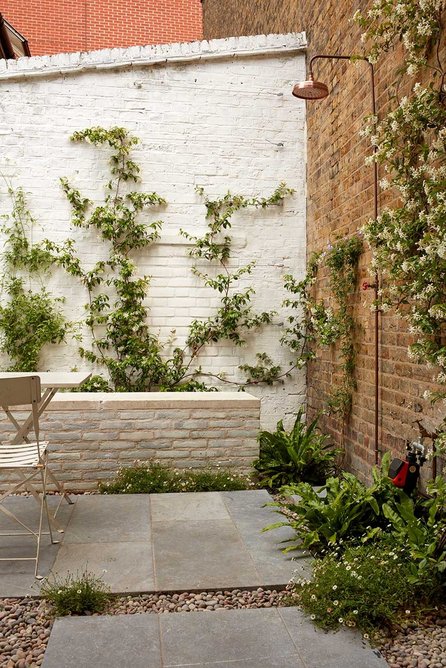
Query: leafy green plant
[(28, 322), (155, 478), (134, 357), (292, 456), (366, 587), (420, 528), (76, 594), (235, 317), (318, 323), (408, 240), (343, 509), (29, 319)]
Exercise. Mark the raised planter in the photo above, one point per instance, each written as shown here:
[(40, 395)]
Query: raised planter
[(93, 434)]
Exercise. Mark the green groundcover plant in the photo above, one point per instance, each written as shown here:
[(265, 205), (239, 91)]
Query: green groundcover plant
[(78, 594), (380, 554), (291, 456), (365, 587), (155, 478)]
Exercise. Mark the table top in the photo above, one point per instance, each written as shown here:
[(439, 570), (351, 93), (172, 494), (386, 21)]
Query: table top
[(53, 379)]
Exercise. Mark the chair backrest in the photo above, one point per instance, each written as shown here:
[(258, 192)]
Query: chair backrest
[(19, 391)]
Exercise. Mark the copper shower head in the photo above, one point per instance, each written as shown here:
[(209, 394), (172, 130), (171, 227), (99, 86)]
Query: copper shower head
[(310, 90)]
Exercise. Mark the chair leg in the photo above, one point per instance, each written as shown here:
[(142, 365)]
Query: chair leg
[(45, 500), (32, 490), (39, 534), (60, 488)]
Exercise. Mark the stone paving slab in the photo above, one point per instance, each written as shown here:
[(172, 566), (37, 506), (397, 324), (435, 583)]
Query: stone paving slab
[(17, 577), (159, 542), (262, 638)]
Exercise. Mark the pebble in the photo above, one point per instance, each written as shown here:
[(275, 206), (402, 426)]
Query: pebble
[(421, 645)]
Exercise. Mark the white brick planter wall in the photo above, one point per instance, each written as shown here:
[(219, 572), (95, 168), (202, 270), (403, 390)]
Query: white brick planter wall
[(92, 435), (216, 114)]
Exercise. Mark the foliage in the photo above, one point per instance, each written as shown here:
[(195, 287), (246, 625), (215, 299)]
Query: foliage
[(121, 338), (76, 594), (235, 317), (117, 315), (367, 586), (415, 23), (290, 457), (155, 478), (319, 324), (29, 320), (420, 528), (409, 240), (343, 509)]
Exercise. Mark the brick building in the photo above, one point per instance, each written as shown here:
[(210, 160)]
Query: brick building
[(55, 26), (340, 201)]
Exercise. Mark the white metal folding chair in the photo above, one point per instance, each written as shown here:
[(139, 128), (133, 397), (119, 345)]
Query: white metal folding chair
[(28, 460)]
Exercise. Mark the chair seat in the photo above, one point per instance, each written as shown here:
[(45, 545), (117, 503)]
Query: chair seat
[(21, 455)]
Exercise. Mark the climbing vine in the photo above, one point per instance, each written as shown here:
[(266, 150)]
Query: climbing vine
[(29, 319), (318, 323), (409, 240), (117, 315), (235, 316)]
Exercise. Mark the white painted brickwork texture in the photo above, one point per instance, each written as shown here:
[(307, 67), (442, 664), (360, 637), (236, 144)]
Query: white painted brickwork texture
[(214, 114), (92, 435)]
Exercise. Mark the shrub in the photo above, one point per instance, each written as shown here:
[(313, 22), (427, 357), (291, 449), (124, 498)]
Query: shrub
[(342, 510), (156, 478), (367, 586), (300, 454), (76, 595)]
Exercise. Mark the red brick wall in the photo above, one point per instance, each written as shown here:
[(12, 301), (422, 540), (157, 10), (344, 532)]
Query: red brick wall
[(54, 26), (340, 200)]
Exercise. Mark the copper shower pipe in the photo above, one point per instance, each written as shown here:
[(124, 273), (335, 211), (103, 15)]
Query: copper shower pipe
[(312, 90)]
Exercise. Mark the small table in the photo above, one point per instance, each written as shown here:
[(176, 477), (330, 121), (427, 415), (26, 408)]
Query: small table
[(51, 382)]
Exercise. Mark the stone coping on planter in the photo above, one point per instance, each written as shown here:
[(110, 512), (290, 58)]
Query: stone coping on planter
[(151, 400)]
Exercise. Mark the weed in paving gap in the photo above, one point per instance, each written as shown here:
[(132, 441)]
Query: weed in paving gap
[(155, 478), (76, 594)]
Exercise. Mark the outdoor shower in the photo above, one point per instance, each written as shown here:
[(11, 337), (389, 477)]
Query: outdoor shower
[(316, 90)]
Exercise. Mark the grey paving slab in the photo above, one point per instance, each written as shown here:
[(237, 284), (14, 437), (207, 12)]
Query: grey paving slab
[(226, 636), (17, 577), (104, 642), (124, 567), (188, 506), (250, 516), (28, 511), (328, 650), (213, 541), (110, 518), (202, 554)]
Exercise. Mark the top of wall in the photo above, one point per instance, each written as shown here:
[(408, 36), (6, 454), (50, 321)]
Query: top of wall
[(141, 56)]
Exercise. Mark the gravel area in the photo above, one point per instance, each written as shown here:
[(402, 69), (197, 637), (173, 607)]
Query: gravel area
[(419, 644), (25, 625)]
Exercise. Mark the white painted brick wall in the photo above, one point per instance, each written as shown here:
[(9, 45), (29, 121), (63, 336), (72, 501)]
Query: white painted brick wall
[(215, 114)]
